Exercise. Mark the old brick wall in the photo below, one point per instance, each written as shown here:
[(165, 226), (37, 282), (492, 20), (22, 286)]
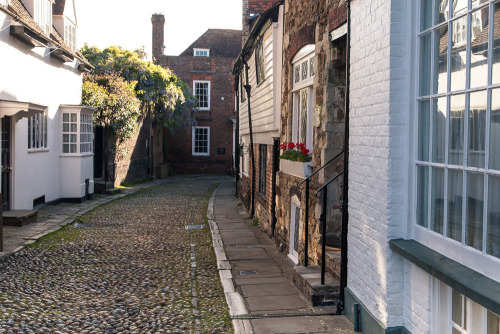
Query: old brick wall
[(217, 70), (308, 22)]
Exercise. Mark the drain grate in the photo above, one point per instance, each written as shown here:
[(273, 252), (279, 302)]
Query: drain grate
[(248, 272), (194, 227)]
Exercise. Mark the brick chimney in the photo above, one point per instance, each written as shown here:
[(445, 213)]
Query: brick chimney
[(158, 21), (253, 8)]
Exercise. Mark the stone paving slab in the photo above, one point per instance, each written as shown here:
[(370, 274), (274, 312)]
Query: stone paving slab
[(269, 289), (262, 277)]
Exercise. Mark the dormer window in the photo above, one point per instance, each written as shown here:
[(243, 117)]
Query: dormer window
[(70, 35), (43, 15), (201, 52)]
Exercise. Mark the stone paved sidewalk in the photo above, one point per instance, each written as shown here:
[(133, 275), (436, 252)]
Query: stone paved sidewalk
[(53, 217), (257, 278)]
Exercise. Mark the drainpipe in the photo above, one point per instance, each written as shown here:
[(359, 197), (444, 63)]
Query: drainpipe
[(276, 153), (237, 132), (248, 88), (345, 193)]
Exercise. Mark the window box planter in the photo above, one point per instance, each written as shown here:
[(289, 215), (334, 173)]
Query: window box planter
[(296, 168)]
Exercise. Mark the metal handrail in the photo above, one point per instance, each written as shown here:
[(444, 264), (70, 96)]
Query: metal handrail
[(307, 180), (326, 184), (316, 171)]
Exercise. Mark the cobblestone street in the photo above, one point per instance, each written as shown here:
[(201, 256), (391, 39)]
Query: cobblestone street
[(128, 266)]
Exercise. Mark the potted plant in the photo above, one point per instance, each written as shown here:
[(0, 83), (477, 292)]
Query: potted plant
[(295, 160)]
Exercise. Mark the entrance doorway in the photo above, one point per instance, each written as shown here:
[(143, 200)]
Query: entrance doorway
[(6, 163)]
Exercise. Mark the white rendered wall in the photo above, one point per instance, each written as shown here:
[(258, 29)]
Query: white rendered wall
[(30, 75), (378, 155)]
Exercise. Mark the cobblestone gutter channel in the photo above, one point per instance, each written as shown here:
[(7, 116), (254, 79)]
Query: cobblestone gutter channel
[(132, 267)]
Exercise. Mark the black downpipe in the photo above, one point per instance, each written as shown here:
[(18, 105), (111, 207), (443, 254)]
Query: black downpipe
[(345, 213), (276, 153), (248, 88), (237, 132)]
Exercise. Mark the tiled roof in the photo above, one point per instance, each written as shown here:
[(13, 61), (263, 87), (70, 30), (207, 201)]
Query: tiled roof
[(20, 15), (221, 42)]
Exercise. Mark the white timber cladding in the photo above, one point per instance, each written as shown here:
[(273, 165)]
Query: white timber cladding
[(378, 162), (261, 100)]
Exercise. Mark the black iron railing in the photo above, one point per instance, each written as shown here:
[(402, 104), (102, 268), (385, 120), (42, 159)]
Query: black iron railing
[(306, 225), (324, 188)]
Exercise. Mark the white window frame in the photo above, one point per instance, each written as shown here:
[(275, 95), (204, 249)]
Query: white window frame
[(86, 134), (477, 260), (43, 15), (473, 317), (37, 132), (200, 52), (207, 153), (195, 82), (76, 133), (70, 34), (303, 84)]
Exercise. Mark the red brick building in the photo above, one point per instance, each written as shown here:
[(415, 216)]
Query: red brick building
[(206, 66)]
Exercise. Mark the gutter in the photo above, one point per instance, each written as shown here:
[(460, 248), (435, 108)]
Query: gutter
[(248, 88), (345, 192)]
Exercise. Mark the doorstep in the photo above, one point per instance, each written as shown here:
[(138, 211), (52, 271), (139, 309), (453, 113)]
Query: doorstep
[(19, 217), (308, 281)]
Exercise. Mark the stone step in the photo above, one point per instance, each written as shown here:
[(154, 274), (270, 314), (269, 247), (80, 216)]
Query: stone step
[(308, 281), (19, 217)]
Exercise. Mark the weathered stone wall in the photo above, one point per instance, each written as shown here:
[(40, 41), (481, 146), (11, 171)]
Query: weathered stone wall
[(309, 22)]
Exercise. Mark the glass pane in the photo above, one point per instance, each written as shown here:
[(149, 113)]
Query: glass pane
[(311, 67), (474, 221), (304, 70), (442, 11), (65, 138), (456, 307), (72, 148), (496, 45), (303, 116), (495, 130), (437, 200), (73, 118), (479, 48), (455, 331), (456, 140), (422, 195), (423, 130), (425, 66), (477, 129), (438, 129), (455, 197), (65, 148), (459, 7), (73, 127), (458, 53), (493, 323), (65, 117), (297, 73), (73, 138), (476, 321), (493, 232), (440, 64)]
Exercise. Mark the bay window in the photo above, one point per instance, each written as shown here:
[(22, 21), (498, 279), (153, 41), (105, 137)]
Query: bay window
[(458, 125), (77, 133), (43, 15)]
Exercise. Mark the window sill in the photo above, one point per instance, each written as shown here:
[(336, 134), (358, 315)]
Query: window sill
[(41, 150), (479, 288), (76, 155), (201, 155)]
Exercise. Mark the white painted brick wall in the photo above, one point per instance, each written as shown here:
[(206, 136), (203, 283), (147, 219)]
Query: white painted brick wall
[(378, 158), (417, 300)]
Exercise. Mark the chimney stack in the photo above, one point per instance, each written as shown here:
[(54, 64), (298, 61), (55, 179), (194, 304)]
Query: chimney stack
[(158, 21)]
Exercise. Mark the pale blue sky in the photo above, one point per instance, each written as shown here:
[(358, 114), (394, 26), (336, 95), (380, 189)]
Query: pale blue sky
[(128, 23)]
